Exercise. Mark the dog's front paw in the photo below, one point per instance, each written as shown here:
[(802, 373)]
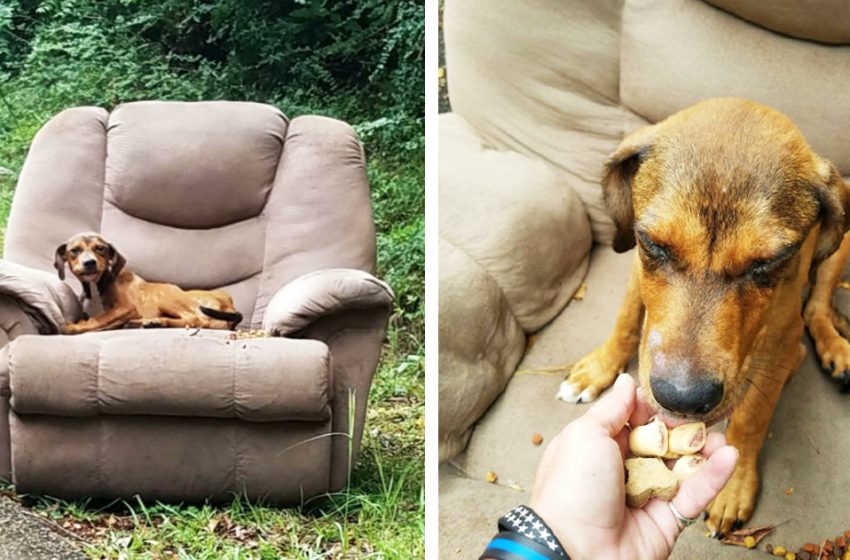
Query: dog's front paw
[(734, 505), (71, 328), (834, 354), (590, 376)]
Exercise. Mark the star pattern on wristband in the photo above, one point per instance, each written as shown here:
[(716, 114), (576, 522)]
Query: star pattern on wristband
[(525, 522)]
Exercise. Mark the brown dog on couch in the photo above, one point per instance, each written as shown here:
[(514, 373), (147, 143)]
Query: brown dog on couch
[(733, 216), (128, 300)]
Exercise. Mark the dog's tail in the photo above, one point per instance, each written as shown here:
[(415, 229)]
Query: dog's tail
[(235, 317)]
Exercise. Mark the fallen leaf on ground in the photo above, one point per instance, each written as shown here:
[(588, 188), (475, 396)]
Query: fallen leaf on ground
[(536, 439), (740, 537), (581, 292), (491, 477), (788, 491), (844, 285)]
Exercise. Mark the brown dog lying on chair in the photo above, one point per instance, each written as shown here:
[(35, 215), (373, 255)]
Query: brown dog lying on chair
[(733, 216), (128, 300)]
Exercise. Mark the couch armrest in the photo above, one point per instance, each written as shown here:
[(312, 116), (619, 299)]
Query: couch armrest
[(16, 319), (323, 293), (348, 310), (43, 299)]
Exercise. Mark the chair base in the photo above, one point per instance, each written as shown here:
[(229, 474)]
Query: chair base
[(170, 458)]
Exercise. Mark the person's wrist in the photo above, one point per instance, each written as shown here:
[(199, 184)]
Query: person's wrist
[(508, 545), (524, 534), (557, 525)]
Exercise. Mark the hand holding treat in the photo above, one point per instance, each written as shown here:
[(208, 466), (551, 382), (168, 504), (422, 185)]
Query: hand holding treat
[(580, 489)]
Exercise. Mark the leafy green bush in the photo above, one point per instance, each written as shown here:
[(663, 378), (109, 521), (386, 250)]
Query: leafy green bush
[(366, 55)]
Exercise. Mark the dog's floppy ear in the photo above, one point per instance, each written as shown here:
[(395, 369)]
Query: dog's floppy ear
[(116, 261), (59, 260), (833, 195), (617, 176)]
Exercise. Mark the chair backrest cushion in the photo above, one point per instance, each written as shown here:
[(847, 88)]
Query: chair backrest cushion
[(234, 149)]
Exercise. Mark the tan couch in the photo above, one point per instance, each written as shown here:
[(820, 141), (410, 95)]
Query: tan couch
[(212, 195), (541, 92)]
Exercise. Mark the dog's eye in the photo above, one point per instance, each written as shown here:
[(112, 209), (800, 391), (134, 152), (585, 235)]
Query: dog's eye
[(765, 274), (75, 251), (100, 250), (652, 249)]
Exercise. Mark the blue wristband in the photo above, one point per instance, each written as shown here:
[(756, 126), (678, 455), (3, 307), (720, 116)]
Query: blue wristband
[(513, 546), (524, 521), (524, 536)]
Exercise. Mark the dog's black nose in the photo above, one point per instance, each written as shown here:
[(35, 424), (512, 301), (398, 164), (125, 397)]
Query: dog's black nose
[(698, 394), (90, 264)]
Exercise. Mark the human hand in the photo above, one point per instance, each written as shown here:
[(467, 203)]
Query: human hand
[(580, 490)]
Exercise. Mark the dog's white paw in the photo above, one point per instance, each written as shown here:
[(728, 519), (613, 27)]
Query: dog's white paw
[(567, 393), (572, 393)]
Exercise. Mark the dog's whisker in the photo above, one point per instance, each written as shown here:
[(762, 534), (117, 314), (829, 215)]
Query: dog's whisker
[(761, 368)]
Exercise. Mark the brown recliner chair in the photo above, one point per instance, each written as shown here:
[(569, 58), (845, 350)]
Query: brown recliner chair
[(213, 195)]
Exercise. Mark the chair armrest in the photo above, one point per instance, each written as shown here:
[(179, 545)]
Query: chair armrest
[(348, 310), (320, 294), (42, 298)]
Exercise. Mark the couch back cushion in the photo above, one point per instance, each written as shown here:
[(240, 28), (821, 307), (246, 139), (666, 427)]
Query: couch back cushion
[(675, 54), (541, 78), (192, 165), (199, 194), (826, 21)]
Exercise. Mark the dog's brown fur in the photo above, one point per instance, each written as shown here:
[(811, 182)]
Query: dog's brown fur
[(733, 214), (128, 300)]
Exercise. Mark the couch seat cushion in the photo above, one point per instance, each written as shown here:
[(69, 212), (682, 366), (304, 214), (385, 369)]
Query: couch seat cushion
[(170, 372)]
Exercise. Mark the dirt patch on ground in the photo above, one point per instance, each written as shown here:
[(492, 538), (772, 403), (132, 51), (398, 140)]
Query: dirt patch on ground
[(26, 537)]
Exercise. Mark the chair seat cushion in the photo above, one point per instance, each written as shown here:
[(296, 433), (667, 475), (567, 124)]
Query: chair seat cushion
[(170, 372)]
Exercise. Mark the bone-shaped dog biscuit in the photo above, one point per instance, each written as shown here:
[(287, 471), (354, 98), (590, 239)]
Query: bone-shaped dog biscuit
[(688, 466), (647, 478), (649, 440)]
